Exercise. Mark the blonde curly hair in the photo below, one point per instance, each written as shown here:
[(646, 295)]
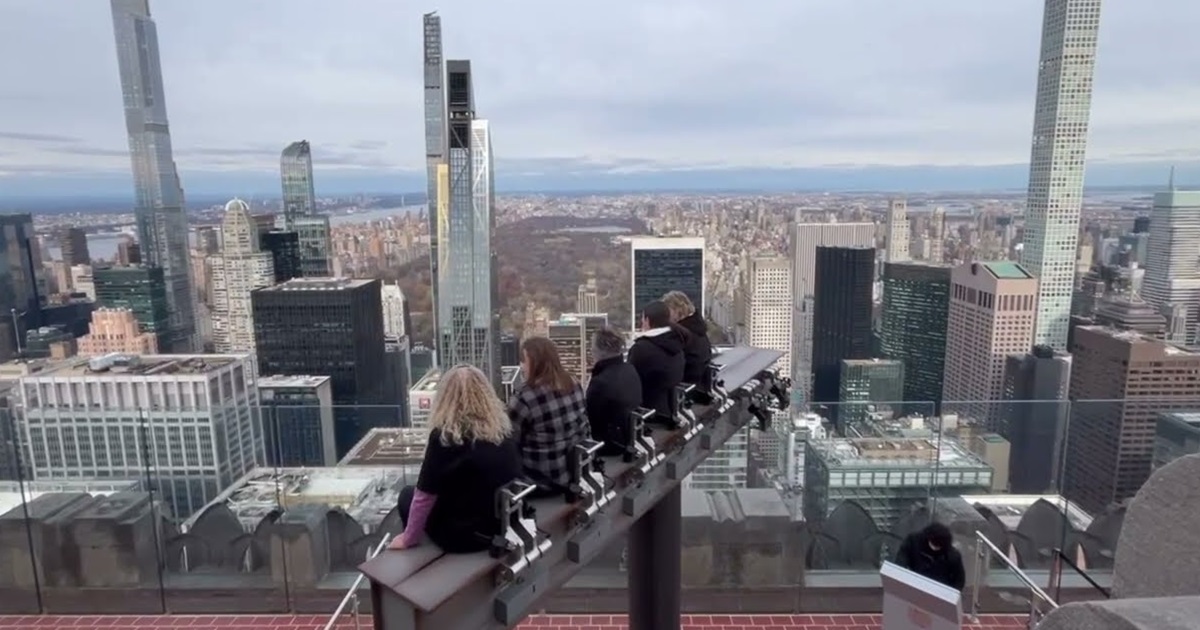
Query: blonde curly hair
[(466, 408), (679, 304)]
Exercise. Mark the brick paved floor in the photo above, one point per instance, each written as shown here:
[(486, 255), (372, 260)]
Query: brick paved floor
[(541, 622)]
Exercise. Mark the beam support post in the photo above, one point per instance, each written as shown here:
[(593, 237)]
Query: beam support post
[(655, 566)]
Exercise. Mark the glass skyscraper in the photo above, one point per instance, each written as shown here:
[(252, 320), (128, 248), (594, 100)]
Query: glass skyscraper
[(435, 138), (295, 170), (159, 207), (916, 298)]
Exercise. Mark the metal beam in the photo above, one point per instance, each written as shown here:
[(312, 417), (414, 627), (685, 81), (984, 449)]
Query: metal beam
[(478, 591), (655, 566)]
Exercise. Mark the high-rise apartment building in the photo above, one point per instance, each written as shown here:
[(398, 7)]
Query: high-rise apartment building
[(1173, 270), (140, 289), (332, 327), (993, 306), (240, 269), (396, 318), (769, 307), (842, 307), (116, 330), (1120, 382), (806, 238), (588, 299), (296, 174), (313, 233), (162, 225), (192, 421), (74, 245), (916, 300), (897, 231), (435, 141), (572, 336), (1056, 165), (660, 265)]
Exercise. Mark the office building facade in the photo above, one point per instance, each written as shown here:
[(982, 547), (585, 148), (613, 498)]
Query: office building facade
[(1173, 271), (1056, 165), (296, 175), (298, 421), (284, 248), (116, 331), (665, 264), (162, 225), (993, 306), (916, 301), (1034, 417), (769, 307), (897, 232), (192, 421), (73, 243), (869, 388), (312, 232), (435, 141), (842, 307), (140, 289)]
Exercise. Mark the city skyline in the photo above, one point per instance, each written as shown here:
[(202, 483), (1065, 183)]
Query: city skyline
[(358, 102)]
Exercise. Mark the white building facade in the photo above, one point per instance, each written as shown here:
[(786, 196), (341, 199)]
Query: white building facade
[(240, 269)]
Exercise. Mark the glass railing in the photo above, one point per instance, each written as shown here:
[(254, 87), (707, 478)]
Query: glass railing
[(268, 509)]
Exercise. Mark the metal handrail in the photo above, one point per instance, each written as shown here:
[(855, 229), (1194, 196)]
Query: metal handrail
[(352, 594), (984, 550), (1056, 573)]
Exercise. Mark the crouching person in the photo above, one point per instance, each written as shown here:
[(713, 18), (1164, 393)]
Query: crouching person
[(471, 454), (549, 414), (613, 392)]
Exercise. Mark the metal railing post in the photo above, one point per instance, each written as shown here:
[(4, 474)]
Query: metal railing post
[(979, 571), (1036, 594), (351, 598)]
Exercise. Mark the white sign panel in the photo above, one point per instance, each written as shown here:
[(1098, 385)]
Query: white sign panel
[(915, 602)]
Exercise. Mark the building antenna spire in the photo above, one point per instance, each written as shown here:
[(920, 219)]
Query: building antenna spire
[(1171, 180)]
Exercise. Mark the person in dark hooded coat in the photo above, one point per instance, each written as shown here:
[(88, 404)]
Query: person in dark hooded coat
[(697, 349), (657, 355), (931, 553)]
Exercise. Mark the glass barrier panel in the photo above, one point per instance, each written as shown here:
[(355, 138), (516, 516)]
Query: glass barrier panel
[(21, 558)]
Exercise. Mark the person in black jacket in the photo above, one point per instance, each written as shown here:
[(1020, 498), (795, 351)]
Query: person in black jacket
[(697, 349), (931, 553), (613, 392), (657, 355)]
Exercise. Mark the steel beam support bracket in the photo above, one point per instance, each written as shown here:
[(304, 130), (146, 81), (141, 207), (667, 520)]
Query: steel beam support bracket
[(519, 544), (587, 488)]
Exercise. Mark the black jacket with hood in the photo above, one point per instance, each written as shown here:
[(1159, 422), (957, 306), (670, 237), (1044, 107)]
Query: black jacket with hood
[(697, 352), (944, 565), (613, 393), (658, 357)]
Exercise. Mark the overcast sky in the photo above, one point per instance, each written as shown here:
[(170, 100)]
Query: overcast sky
[(654, 86)]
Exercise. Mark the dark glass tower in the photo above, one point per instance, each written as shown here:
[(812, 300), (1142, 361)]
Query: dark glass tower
[(843, 278), (296, 173), (916, 300), (74, 245), (140, 289), (667, 264), (285, 253), (332, 327), (162, 225), (435, 139)]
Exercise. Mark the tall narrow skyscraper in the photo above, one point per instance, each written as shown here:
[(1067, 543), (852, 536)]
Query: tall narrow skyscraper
[(1056, 164), (240, 268), (467, 328), (841, 314), (659, 265), (897, 231), (1172, 272), (435, 139), (295, 171), (158, 211)]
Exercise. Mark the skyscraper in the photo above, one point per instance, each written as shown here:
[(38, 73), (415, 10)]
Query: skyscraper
[(660, 265), (916, 297), (1056, 164), (395, 311), (1172, 271), (74, 244), (993, 306), (435, 140), (842, 309), (239, 269), (769, 311), (897, 231), (159, 207), (295, 171)]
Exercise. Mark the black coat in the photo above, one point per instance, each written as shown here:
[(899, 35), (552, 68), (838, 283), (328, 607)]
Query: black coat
[(613, 393), (657, 356), (697, 352), (944, 566)]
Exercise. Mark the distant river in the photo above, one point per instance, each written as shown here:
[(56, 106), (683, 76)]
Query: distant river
[(104, 246)]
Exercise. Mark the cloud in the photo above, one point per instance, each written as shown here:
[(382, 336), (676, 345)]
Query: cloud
[(630, 86)]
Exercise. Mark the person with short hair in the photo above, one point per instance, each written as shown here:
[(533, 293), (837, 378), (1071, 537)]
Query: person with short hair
[(549, 412), (697, 349), (931, 553), (657, 356), (613, 392), (470, 455)]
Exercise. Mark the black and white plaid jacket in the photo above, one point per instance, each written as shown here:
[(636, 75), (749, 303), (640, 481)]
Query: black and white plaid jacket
[(549, 424)]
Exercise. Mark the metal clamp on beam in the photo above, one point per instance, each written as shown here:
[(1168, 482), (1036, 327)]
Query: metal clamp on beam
[(519, 543), (685, 394), (642, 449), (778, 386), (719, 393), (587, 485)]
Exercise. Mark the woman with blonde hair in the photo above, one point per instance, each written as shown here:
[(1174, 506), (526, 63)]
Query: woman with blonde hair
[(549, 413), (697, 349), (471, 454)]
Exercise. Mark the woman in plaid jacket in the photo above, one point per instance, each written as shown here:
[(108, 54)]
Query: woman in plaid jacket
[(549, 415)]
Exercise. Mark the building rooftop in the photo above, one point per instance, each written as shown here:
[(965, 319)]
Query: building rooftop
[(667, 242), (1138, 337), (319, 284), (117, 365), (427, 383), (365, 493), (1007, 270), (864, 362), (1011, 508), (388, 447), (915, 452), (14, 493), (282, 380)]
